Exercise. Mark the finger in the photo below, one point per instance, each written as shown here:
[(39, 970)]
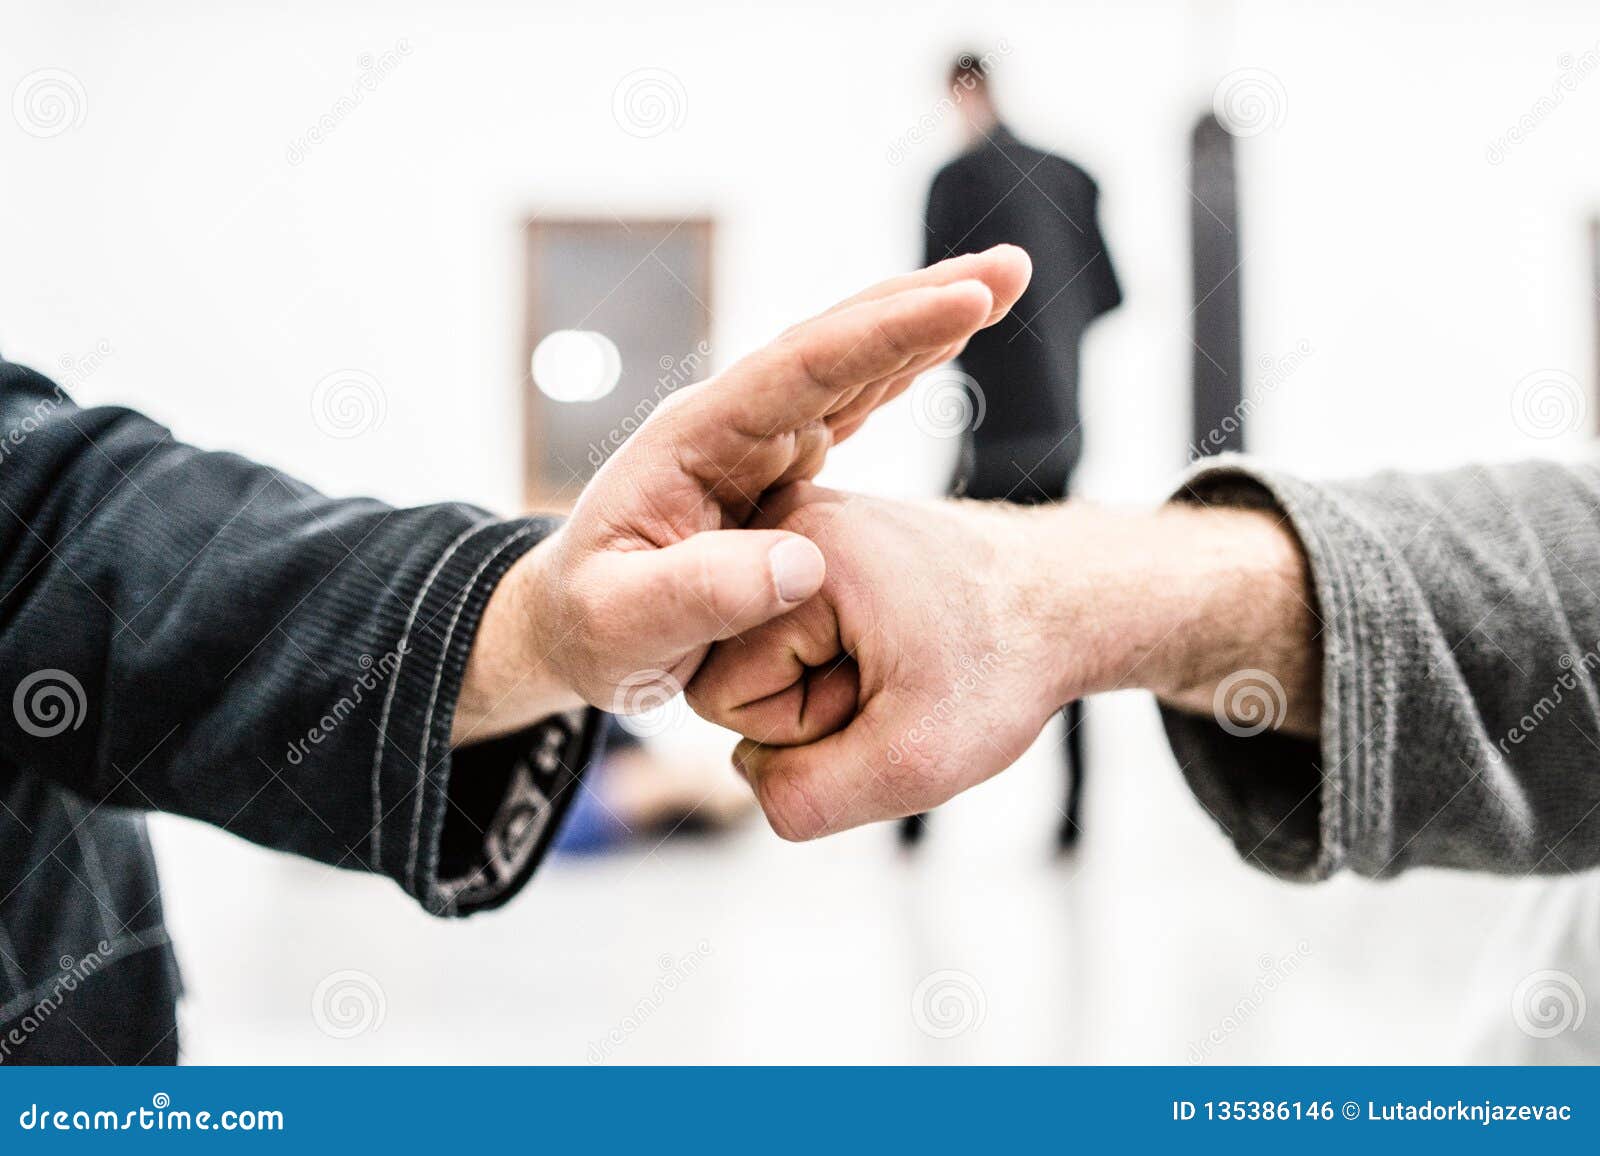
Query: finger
[(820, 367), (853, 416), (811, 445), (788, 681), (781, 501), (716, 584), (821, 701), (850, 427), (842, 781), (1005, 269)]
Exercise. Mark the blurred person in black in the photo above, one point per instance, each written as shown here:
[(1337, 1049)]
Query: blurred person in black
[(1026, 434)]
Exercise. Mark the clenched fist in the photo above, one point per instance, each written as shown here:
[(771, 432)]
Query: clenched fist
[(911, 676)]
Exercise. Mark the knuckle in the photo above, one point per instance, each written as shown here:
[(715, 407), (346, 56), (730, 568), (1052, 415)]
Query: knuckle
[(709, 696), (894, 345), (806, 363), (790, 809), (697, 694), (671, 412), (670, 404)]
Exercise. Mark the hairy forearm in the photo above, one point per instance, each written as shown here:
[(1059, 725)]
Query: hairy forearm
[(1180, 601)]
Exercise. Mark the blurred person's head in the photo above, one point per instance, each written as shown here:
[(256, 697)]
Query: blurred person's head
[(969, 88)]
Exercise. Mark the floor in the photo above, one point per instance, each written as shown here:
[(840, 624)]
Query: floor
[(1154, 944)]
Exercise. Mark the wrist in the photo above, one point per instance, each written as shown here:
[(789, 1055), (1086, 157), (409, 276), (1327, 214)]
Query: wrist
[(1251, 622), (1168, 600), (512, 680), (1234, 572)]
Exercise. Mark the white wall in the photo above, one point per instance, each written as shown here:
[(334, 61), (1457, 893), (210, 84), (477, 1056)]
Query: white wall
[(226, 281), (1428, 279), (229, 281)]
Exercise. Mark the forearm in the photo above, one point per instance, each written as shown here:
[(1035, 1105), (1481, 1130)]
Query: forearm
[(1182, 601), (1241, 639)]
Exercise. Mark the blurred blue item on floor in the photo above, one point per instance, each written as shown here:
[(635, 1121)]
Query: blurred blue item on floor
[(590, 826)]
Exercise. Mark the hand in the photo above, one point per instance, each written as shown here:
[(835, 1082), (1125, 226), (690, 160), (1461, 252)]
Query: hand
[(619, 607), (912, 676), (946, 634)]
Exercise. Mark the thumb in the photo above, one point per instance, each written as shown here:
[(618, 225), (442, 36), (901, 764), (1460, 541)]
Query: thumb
[(719, 583)]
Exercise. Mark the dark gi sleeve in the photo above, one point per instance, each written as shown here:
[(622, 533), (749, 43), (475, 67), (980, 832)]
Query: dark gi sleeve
[(193, 632)]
